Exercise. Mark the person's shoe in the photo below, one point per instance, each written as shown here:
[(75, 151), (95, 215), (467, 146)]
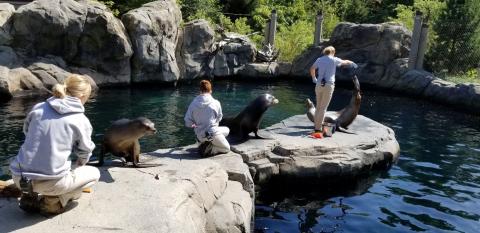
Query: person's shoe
[(29, 202), (51, 205)]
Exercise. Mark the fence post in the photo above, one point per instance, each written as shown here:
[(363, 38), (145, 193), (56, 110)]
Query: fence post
[(318, 29), (417, 28), (422, 47), (267, 33), (273, 28)]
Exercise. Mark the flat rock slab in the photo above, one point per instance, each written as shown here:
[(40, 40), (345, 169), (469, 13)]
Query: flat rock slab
[(181, 195), (297, 155)]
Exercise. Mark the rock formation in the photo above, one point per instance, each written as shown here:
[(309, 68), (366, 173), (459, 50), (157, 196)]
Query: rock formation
[(154, 32)]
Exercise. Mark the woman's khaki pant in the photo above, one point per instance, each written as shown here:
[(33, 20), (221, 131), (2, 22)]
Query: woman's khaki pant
[(68, 187), (324, 95)]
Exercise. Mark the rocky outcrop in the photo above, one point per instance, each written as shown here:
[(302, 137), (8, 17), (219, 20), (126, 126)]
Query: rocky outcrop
[(154, 31), (6, 11), (84, 33), (232, 53), (372, 46), (196, 49), (181, 195), (188, 194), (292, 154)]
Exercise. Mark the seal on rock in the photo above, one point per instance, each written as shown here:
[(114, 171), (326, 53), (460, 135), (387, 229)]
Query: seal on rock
[(343, 118), (249, 119), (121, 139)]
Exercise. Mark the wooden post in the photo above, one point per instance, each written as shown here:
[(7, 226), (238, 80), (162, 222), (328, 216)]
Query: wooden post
[(422, 47), (417, 28), (267, 33), (318, 29), (273, 28)]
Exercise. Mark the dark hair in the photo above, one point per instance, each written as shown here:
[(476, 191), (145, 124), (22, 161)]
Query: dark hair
[(205, 86)]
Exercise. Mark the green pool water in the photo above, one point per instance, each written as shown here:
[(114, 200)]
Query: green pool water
[(434, 187)]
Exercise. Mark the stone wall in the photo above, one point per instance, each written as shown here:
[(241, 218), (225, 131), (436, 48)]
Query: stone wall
[(44, 41)]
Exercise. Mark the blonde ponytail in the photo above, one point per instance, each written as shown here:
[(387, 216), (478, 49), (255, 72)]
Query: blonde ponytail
[(59, 91), (75, 85)]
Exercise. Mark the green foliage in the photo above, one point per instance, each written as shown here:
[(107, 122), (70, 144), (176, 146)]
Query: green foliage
[(457, 47), (291, 40), (430, 8), (471, 76), (201, 9)]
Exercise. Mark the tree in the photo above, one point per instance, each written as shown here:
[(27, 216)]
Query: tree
[(457, 46)]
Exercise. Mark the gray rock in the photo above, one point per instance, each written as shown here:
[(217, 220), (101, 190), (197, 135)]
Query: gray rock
[(232, 53), (301, 64), (237, 170), (413, 82), (259, 70), (6, 11), (52, 70), (154, 31), (394, 72), (232, 213), (181, 195), (299, 156), (197, 44), (19, 82), (465, 96), (371, 43), (9, 58), (83, 33)]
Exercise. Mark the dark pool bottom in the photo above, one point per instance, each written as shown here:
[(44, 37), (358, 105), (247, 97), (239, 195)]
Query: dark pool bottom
[(434, 187)]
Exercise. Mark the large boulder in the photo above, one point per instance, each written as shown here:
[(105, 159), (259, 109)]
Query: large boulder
[(231, 54), (9, 58), (180, 195), (6, 11), (19, 82), (197, 44), (83, 33), (371, 43), (466, 96), (292, 155), (373, 46), (154, 31)]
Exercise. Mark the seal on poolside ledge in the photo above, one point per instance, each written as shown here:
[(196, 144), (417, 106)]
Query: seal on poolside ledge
[(121, 140), (249, 119)]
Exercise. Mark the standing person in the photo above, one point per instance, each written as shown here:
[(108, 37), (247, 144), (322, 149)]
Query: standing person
[(203, 115), (54, 130), (325, 82)]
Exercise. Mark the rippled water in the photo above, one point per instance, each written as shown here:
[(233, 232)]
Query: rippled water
[(434, 187)]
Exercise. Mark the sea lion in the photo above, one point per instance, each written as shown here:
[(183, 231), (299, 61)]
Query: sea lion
[(249, 119), (121, 139), (343, 118)]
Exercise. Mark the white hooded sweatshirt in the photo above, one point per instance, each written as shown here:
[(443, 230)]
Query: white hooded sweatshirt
[(53, 130), (205, 112)]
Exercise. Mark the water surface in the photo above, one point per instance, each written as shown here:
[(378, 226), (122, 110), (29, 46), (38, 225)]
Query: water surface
[(434, 187)]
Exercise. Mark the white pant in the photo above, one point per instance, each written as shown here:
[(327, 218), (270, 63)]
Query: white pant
[(68, 187), (219, 141)]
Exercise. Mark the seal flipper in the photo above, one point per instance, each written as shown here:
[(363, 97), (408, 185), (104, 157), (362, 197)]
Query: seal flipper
[(343, 130)]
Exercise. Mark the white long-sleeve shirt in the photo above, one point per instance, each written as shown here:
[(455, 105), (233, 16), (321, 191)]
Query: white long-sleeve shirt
[(54, 130), (206, 113)]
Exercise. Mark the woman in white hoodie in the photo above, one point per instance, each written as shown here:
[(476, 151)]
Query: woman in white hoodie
[(203, 115), (54, 130)]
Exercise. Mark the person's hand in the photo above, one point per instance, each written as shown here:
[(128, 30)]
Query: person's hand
[(81, 161), (194, 125)]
